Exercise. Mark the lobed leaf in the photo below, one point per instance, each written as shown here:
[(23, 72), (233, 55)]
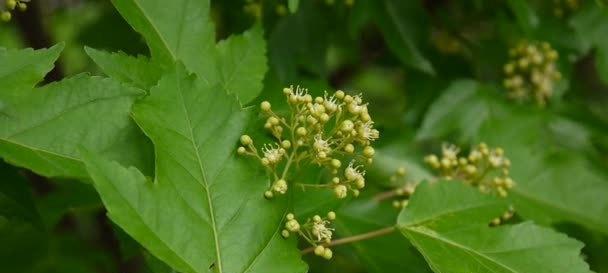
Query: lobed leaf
[(204, 211)]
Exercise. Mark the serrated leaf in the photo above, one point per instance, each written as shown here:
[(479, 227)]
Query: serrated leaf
[(448, 223), (139, 71), (186, 34), (44, 129), (24, 68), (204, 211), (242, 64), (179, 32)]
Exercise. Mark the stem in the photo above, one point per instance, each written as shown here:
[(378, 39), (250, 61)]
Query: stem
[(355, 238), (385, 195), (304, 185)]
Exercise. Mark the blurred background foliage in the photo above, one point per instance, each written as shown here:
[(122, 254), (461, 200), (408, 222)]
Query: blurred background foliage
[(433, 73)]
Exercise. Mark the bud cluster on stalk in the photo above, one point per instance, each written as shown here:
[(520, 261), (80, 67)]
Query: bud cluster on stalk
[(333, 133), (316, 231), (9, 6), (531, 73), (403, 192), (485, 168)]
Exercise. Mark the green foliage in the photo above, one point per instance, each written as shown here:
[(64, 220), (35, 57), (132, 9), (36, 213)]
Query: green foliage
[(38, 129), (454, 236), (137, 171), (208, 199)]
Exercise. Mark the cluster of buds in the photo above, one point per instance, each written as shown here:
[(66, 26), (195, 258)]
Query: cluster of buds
[(504, 217), (10, 5), (401, 194), (484, 168), (315, 231), (531, 72), (323, 131), (255, 8), (562, 8)]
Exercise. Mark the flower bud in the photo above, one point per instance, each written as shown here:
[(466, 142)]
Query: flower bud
[(340, 94), (268, 194), (301, 131), (280, 186), (349, 148), (368, 151), (285, 233), (336, 163), (292, 225), (11, 4), (265, 106), (246, 140), (341, 191), (319, 250), (327, 254), (331, 215), (241, 150)]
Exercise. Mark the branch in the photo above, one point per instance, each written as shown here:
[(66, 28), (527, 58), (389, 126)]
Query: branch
[(355, 238)]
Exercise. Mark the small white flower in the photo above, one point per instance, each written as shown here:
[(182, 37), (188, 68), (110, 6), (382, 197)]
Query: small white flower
[(272, 153), (450, 151), (367, 132), (352, 173), (321, 231), (321, 145), (331, 103)]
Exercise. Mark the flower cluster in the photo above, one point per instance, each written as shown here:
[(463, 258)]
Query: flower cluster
[(562, 8), (485, 168), (531, 72), (315, 231), (10, 5), (323, 131)]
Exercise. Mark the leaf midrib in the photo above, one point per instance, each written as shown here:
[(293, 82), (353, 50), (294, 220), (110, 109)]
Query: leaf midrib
[(158, 33), (206, 185), (466, 249)]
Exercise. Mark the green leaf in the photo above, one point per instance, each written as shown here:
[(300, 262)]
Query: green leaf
[(204, 211), (139, 71), (553, 184), (399, 21), (293, 5), (242, 64), (24, 68), (185, 33), (591, 23), (43, 130), (463, 107), (448, 223), (177, 30), (525, 15)]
